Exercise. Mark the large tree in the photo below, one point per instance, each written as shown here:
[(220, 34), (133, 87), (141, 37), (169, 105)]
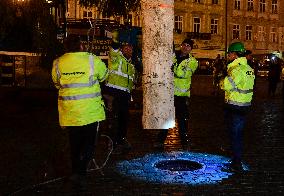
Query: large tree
[(157, 40), (157, 31)]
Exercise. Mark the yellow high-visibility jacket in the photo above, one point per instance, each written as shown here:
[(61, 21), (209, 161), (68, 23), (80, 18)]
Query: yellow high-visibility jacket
[(238, 84), (182, 75), (121, 72), (77, 76)]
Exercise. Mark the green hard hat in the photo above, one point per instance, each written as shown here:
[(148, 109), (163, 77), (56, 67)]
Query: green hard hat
[(237, 47)]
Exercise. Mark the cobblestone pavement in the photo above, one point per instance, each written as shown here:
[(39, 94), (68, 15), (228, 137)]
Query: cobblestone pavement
[(35, 152)]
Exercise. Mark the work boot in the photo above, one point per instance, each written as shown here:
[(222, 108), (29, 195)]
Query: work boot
[(233, 167), (121, 146)]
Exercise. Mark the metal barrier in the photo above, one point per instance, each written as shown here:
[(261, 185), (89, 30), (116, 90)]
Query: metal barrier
[(22, 69)]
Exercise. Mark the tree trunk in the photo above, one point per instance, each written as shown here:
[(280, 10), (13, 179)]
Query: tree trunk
[(158, 92)]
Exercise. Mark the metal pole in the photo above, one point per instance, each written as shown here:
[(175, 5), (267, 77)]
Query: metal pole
[(65, 3), (226, 28)]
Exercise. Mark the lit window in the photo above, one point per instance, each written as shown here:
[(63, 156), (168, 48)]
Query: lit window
[(105, 16), (274, 8), (179, 23), (248, 32), (128, 19), (262, 5), (250, 5), (214, 1), (261, 33), (196, 24), (214, 26), (87, 14), (137, 21), (273, 37), (237, 5), (236, 31)]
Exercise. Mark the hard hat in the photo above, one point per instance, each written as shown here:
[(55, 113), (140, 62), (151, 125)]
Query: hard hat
[(115, 35), (188, 41), (237, 47)]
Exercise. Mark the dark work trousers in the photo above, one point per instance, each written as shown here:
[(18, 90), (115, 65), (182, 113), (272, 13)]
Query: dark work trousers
[(235, 118), (272, 86), (283, 91), (82, 145), (182, 115), (120, 113)]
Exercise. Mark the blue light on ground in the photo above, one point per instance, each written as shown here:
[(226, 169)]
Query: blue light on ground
[(145, 168)]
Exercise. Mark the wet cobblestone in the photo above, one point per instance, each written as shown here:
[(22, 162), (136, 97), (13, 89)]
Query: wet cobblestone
[(34, 150)]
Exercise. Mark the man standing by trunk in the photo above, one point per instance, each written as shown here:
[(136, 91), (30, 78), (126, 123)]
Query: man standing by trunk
[(118, 86), (183, 67)]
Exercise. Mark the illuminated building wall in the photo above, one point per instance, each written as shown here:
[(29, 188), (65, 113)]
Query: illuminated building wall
[(257, 23)]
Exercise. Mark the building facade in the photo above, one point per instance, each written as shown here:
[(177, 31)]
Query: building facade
[(214, 24), (258, 23), (203, 21)]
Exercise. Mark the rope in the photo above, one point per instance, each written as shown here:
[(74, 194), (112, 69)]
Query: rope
[(97, 167)]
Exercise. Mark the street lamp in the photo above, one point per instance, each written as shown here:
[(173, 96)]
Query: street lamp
[(18, 1), (22, 1), (20, 4)]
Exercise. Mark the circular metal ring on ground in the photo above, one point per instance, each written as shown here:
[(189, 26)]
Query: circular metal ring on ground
[(178, 165), (145, 168)]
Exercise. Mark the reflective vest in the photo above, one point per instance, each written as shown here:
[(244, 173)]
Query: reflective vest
[(121, 72), (77, 76), (182, 75), (238, 84)]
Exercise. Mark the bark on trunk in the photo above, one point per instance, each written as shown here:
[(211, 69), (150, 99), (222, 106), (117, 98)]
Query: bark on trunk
[(158, 93)]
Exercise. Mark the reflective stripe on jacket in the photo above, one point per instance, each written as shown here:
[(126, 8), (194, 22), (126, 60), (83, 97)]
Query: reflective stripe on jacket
[(238, 84), (121, 72), (77, 76), (182, 75)]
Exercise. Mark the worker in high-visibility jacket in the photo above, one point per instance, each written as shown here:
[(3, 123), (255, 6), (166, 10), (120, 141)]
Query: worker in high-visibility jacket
[(118, 86), (76, 75), (238, 85), (184, 65)]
